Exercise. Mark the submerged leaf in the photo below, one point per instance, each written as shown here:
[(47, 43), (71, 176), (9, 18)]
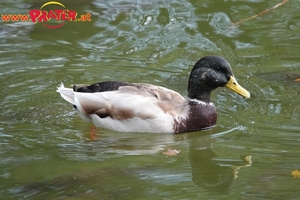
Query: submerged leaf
[(298, 79)]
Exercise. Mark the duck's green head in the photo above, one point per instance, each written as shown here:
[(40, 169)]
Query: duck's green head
[(209, 73)]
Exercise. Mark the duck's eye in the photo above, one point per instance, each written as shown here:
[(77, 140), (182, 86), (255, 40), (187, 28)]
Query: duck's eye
[(220, 70)]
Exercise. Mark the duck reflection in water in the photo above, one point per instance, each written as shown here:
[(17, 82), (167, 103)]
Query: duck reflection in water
[(210, 171)]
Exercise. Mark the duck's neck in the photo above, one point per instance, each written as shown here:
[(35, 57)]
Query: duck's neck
[(203, 95)]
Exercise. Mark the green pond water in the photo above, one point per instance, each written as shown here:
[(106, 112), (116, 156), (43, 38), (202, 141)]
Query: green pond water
[(45, 148)]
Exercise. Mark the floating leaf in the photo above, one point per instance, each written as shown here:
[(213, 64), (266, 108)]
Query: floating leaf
[(171, 152), (296, 173)]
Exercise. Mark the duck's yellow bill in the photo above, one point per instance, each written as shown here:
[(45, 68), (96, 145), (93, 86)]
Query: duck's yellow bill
[(233, 85)]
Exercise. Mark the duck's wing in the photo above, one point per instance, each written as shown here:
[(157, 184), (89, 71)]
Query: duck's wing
[(167, 100)]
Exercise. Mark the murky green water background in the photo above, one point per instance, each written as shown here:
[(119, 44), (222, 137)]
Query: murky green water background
[(45, 148)]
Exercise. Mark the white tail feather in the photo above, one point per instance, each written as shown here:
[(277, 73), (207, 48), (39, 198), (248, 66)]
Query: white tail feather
[(66, 93)]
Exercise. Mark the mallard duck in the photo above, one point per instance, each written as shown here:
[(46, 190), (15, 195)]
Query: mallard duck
[(143, 107)]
